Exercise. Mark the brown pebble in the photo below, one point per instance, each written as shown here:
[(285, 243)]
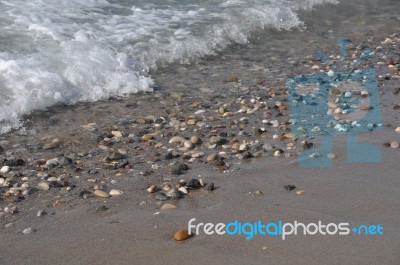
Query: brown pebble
[(147, 137), (181, 235), (152, 189), (232, 79)]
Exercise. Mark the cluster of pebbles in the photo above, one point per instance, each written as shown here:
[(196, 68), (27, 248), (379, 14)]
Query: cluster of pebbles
[(166, 147)]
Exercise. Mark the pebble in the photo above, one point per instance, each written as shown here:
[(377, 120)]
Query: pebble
[(44, 186), (290, 187), (54, 144), (277, 153), (387, 41), (212, 157), (14, 162), (161, 196), (152, 189), (168, 206), (177, 139), (181, 235), (115, 192), (243, 147), (394, 145), (211, 187), (5, 169), (299, 192), (173, 193), (194, 184), (397, 130), (147, 137), (331, 155), (348, 94), (101, 194), (183, 190), (188, 144), (28, 230), (331, 73), (117, 134), (315, 155), (195, 139)]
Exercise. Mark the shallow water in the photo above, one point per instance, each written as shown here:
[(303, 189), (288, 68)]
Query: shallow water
[(72, 51)]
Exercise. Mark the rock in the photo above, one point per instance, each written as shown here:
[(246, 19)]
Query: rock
[(54, 144), (66, 161), (168, 206), (101, 194), (188, 144), (44, 186), (290, 187), (258, 192), (194, 184), (183, 190), (315, 155), (243, 147), (397, 130), (394, 145), (117, 134), (387, 41), (52, 163), (306, 145), (177, 139), (161, 196), (115, 192), (195, 139), (299, 192), (330, 73), (192, 122), (232, 79), (212, 157), (331, 155), (173, 193), (5, 169), (28, 230), (166, 187), (277, 153), (14, 162), (152, 189), (181, 235), (211, 187), (40, 213), (348, 94), (147, 137), (267, 147)]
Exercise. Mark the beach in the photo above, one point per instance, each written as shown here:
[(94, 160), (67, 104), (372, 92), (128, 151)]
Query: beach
[(112, 181)]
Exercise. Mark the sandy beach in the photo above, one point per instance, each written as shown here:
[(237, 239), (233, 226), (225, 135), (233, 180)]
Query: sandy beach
[(215, 139)]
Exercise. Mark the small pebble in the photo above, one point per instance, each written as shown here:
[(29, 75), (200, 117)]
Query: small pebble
[(394, 145), (101, 194), (290, 187), (168, 206), (181, 235), (28, 230)]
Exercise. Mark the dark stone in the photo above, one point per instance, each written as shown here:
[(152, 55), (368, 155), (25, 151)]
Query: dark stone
[(211, 186), (14, 162), (290, 187), (194, 184), (173, 193), (161, 196), (66, 161)]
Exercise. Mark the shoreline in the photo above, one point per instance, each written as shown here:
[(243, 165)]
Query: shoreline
[(128, 152)]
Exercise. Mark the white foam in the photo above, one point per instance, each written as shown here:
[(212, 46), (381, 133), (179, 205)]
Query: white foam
[(68, 51)]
